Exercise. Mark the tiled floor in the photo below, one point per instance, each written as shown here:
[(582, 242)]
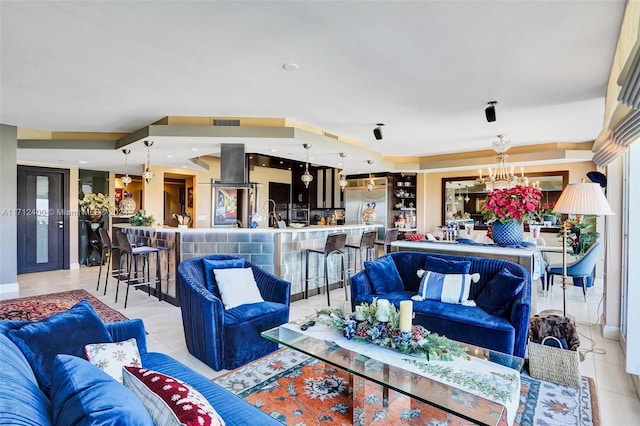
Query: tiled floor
[(618, 400)]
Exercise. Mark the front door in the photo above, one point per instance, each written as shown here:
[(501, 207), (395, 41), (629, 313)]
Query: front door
[(43, 225)]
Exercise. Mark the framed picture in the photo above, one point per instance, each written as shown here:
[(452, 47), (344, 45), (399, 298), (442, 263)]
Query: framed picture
[(118, 196), (225, 204), (479, 204), (189, 197)]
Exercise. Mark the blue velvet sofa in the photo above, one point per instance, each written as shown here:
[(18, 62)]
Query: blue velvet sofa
[(505, 333), (228, 338), (22, 402)]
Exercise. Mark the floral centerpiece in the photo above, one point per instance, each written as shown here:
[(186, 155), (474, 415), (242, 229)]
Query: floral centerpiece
[(546, 213), (519, 203), (95, 204), (505, 210), (419, 341), (141, 218)]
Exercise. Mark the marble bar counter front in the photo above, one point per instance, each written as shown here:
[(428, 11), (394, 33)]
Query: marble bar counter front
[(278, 251)]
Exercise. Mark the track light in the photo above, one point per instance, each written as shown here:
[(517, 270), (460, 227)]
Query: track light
[(490, 111), (377, 132)]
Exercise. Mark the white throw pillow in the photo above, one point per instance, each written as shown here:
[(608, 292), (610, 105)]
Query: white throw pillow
[(447, 288), (111, 357), (237, 287)]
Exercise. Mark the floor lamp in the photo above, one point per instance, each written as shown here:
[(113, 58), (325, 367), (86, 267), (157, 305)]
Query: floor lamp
[(578, 199)]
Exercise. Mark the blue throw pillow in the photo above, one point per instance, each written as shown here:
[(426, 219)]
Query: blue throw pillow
[(446, 266), (64, 333), (383, 275), (211, 264), (495, 299), (81, 394)]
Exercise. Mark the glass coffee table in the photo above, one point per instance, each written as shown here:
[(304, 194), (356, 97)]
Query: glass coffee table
[(429, 390)]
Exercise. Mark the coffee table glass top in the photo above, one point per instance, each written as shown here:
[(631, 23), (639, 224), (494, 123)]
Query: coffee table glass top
[(428, 390)]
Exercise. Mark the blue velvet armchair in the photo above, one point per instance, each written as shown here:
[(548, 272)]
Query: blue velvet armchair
[(229, 338)]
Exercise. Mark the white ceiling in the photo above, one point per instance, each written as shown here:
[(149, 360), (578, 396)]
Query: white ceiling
[(424, 68)]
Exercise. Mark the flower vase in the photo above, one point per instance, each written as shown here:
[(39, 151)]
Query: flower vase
[(553, 220), (95, 215), (510, 233)]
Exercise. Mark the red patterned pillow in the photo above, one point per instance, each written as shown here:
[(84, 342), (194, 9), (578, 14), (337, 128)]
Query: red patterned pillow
[(414, 237), (168, 400)]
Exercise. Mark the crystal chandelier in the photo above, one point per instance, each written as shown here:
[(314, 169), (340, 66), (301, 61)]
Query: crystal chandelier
[(148, 174), (370, 184), (306, 177), (126, 179), (502, 176)]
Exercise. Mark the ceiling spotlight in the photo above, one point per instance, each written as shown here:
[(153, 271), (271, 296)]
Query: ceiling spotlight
[(377, 132), (490, 111)]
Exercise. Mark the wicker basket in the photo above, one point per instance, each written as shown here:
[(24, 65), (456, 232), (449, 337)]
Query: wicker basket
[(556, 365)]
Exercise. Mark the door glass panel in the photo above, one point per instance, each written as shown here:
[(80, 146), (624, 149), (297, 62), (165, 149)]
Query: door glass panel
[(42, 219)]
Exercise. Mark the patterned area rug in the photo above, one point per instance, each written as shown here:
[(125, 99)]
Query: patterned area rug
[(36, 308), (299, 390)]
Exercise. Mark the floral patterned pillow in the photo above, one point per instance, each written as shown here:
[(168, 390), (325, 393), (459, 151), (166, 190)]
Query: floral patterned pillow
[(169, 400), (111, 357)]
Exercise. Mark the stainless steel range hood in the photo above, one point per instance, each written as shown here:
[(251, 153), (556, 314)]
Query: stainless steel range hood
[(234, 166)]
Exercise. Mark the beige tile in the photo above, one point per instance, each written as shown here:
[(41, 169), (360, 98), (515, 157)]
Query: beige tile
[(618, 410), (614, 378)]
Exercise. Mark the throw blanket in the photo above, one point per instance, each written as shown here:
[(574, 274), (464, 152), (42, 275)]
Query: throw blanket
[(477, 376)]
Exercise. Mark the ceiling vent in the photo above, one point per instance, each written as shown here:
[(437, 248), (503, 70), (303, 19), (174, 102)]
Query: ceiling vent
[(223, 122), (330, 135)]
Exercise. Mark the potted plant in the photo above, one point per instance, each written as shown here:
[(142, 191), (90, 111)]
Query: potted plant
[(141, 218), (95, 205), (505, 210), (546, 213)]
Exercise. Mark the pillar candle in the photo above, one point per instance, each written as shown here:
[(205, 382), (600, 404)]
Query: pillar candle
[(406, 315), (359, 313), (382, 310)]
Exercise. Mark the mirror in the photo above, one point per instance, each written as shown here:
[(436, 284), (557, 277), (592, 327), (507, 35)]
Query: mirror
[(465, 195)]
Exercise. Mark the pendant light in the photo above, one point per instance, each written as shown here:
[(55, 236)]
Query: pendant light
[(371, 184), (148, 174), (306, 177), (342, 182), (126, 179)]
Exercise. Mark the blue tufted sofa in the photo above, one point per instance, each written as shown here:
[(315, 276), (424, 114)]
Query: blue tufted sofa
[(22, 402), (504, 333), (229, 338)]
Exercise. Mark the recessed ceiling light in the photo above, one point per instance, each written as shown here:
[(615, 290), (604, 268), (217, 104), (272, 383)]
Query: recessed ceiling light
[(82, 162), (281, 162), (184, 167), (274, 150), (169, 156), (311, 158), (194, 149), (339, 164), (290, 66)]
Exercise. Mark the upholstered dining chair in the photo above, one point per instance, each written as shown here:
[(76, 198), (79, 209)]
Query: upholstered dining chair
[(227, 338), (582, 268)]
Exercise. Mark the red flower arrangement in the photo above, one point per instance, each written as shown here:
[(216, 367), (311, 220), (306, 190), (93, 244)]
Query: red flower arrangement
[(519, 203)]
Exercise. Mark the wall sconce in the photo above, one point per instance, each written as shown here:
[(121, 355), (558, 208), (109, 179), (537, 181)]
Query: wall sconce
[(148, 174)]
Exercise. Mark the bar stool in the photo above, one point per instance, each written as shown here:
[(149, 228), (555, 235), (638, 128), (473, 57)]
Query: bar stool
[(128, 268), (334, 245), (389, 237), (107, 249), (367, 244)]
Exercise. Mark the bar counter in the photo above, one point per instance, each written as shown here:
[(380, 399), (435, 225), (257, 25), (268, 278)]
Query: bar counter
[(279, 251)]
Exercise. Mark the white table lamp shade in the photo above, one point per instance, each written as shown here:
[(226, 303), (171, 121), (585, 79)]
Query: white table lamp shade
[(583, 198)]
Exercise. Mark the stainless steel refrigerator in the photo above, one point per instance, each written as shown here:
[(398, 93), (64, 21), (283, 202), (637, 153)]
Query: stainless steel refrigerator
[(357, 196)]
